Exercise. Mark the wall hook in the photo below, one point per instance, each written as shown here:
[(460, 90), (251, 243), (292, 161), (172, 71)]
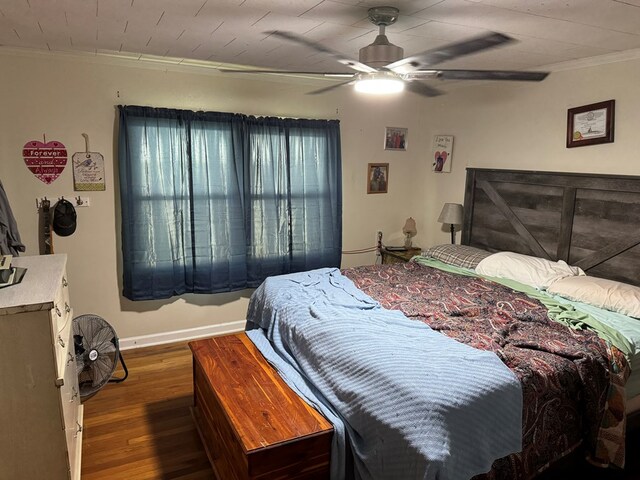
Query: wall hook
[(40, 202)]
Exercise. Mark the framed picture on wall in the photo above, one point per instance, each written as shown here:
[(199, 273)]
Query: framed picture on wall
[(377, 178), (442, 153), (395, 138), (590, 124)]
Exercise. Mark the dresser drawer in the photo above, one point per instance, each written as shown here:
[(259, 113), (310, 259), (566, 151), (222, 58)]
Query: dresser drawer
[(63, 346), (62, 306), (69, 391), (74, 444)]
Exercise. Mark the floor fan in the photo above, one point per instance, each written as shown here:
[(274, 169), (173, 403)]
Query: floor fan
[(97, 351)]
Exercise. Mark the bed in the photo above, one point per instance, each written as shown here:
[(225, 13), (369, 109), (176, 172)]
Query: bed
[(572, 381)]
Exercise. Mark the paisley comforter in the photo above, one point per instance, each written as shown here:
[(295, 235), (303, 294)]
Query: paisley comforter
[(572, 380)]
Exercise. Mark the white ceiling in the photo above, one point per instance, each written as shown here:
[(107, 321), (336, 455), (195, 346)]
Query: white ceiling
[(232, 31)]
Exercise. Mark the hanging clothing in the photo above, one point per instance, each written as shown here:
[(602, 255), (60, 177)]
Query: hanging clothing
[(10, 243)]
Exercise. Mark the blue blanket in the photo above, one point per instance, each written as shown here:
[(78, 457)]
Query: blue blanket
[(410, 402)]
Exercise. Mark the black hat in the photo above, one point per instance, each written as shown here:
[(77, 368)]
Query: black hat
[(64, 218)]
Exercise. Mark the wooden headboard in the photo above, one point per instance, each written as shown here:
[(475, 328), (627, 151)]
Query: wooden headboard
[(588, 220)]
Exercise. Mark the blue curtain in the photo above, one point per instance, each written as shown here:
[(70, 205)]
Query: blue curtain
[(215, 202)]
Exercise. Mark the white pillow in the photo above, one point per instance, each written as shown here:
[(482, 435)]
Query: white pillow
[(536, 272), (599, 292)]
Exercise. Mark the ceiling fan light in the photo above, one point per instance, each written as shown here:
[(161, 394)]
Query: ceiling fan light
[(379, 86)]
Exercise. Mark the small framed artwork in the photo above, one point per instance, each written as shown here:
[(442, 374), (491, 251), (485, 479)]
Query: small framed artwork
[(442, 153), (395, 138), (590, 124), (377, 177)]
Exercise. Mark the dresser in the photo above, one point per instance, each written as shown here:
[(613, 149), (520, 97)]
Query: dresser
[(40, 410)]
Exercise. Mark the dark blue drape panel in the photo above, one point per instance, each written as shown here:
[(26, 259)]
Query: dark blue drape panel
[(217, 176), (315, 189), (156, 203), (215, 202), (268, 197)]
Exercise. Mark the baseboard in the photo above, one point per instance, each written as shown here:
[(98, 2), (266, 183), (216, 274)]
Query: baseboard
[(181, 335)]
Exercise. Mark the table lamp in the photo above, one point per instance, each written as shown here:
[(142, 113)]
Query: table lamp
[(409, 231), (452, 214)]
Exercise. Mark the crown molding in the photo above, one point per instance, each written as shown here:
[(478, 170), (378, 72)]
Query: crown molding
[(153, 62), (607, 58), (203, 67)]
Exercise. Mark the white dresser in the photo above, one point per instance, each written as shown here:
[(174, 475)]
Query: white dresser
[(40, 411)]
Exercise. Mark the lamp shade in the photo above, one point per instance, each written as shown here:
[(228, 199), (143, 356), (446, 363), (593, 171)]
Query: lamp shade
[(410, 227), (451, 213)]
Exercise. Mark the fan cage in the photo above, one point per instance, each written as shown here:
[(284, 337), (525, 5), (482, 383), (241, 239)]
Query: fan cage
[(97, 351)]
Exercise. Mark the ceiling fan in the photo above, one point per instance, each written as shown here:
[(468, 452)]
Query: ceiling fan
[(382, 68)]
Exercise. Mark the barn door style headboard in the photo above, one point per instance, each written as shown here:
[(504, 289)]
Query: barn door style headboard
[(588, 220)]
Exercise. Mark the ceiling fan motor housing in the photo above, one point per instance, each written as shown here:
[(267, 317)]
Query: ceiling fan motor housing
[(380, 53)]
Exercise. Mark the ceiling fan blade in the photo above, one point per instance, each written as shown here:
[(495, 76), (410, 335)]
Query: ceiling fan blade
[(422, 89), (449, 52), (287, 72), (491, 75), (354, 64), (329, 88)]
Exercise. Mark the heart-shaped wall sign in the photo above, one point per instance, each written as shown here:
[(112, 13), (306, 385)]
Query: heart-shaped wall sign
[(440, 158), (45, 160)]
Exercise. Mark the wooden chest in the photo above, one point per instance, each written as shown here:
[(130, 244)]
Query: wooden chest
[(253, 426)]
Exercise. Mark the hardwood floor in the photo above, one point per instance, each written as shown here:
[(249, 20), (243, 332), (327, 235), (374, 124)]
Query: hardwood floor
[(142, 428)]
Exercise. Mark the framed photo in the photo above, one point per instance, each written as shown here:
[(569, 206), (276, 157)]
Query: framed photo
[(395, 138), (590, 124), (377, 177), (442, 153)]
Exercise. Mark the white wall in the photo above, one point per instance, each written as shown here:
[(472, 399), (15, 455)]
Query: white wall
[(65, 96), (495, 125), (523, 126)]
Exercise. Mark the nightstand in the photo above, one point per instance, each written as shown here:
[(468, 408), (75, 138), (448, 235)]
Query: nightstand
[(399, 256)]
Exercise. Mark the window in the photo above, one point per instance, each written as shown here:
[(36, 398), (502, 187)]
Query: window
[(214, 202)]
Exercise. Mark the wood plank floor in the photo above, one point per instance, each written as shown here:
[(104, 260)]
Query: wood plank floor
[(142, 428)]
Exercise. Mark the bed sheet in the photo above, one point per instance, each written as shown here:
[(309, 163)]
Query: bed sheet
[(626, 326)]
